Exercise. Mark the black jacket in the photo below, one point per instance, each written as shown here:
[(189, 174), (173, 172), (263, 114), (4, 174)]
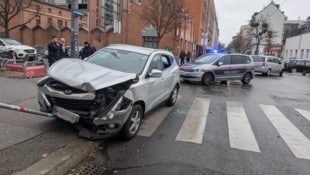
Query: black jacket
[(53, 51), (87, 51)]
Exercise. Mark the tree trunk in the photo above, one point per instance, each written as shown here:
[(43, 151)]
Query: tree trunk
[(257, 45), (6, 33)]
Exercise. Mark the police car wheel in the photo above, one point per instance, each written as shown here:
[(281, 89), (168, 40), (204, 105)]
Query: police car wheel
[(207, 79), (246, 78)]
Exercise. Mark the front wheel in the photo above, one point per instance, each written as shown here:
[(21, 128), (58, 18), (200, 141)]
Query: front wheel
[(246, 78), (132, 125), (207, 79), (173, 96), (281, 73), (268, 73)]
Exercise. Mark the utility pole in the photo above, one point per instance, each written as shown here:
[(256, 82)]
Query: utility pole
[(74, 29), (205, 37)]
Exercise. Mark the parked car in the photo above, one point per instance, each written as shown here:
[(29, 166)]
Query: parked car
[(111, 90), (219, 67), (267, 65), (298, 65), (23, 53)]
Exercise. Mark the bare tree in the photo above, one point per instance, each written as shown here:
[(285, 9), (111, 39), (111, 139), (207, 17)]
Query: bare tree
[(164, 15), (9, 9), (259, 33)]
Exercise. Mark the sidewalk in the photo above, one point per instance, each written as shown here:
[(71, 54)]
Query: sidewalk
[(26, 140)]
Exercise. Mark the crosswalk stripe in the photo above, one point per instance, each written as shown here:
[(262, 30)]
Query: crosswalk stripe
[(193, 127), (151, 123), (305, 113), (298, 143), (241, 135)]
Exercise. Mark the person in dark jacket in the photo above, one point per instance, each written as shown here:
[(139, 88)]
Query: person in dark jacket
[(182, 57), (188, 56), (87, 50), (53, 50), (63, 50)]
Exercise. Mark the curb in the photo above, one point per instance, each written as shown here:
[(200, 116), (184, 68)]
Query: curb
[(62, 160)]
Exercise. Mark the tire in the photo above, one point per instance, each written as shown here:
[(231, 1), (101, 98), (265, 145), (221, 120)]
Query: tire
[(294, 70), (304, 72), (246, 78), (207, 79), (281, 73), (173, 96), (133, 123), (268, 72)]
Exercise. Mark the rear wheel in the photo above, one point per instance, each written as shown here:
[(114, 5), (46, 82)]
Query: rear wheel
[(304, 72), (207, 79), (246, 78), (132, 125), (268, 72), (281, 73)]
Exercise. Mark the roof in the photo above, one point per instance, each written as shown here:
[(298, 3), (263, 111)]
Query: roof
[(142, 50)]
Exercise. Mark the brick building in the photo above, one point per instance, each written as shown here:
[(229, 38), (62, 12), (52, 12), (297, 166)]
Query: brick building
[(115, 21)]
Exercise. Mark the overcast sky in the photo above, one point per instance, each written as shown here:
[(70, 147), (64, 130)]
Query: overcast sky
[(232, 14)]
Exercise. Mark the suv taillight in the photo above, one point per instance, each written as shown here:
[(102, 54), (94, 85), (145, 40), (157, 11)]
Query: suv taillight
[(264, 64)]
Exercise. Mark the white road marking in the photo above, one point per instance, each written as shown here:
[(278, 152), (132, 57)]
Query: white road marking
[(241, 135), (193, 127), (298, 143), (151, 123), (305, 113)]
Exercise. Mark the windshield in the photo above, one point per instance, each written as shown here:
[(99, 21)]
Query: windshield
[(258, 59), (11, 42), (120, 60), (207, 59)]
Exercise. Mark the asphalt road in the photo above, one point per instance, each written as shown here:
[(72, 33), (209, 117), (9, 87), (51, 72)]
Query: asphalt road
[(221, 129)]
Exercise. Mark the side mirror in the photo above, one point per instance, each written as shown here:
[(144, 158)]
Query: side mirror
[(155, 73), (220, 63)]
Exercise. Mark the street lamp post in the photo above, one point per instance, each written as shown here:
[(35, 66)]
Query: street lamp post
[(74, 29)]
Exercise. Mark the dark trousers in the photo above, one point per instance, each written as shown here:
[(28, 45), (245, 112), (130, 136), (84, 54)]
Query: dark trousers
[(182, 61)]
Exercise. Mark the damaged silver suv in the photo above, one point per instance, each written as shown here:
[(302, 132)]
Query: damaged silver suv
[(109, 92)]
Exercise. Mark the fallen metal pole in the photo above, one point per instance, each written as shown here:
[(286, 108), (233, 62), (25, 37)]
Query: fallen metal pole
[(26, 110)]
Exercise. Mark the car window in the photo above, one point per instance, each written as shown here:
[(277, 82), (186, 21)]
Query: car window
[(226, 60), (238, 59), (270, 60), (207, 59), (166, 61), (120, 60), (307, 63), (258, 59), (11, 42), (156, 63), (299, 63), (248, 60), (1, 43)]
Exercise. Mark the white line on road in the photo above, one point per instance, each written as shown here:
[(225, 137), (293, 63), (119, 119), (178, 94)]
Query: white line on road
[(151, 123), (298, 143), (305, 113), (241, 135), (193, 127)]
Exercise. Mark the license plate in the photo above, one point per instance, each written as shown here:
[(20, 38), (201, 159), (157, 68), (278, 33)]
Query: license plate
[(65, 114)]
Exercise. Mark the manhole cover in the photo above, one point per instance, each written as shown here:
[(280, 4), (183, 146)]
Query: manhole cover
[(92, 169)]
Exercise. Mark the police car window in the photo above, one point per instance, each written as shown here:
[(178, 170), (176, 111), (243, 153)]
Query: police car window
[(237, 59), (225, 60), (156, 63)]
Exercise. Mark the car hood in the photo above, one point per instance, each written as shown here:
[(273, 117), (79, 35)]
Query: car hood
[(86, 76), (21, 47), (196, 65)]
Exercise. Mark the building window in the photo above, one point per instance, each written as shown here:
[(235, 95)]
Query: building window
[(60, 13), (302, 54), (59, 24), (286, 53), (150, 42), (38, 20), (307, 54), (66, 23), (296, 52), (49, 10), (291, 53), (49, 21)]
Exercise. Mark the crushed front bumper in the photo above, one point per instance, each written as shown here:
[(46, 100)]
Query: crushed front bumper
[(100, 127)]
